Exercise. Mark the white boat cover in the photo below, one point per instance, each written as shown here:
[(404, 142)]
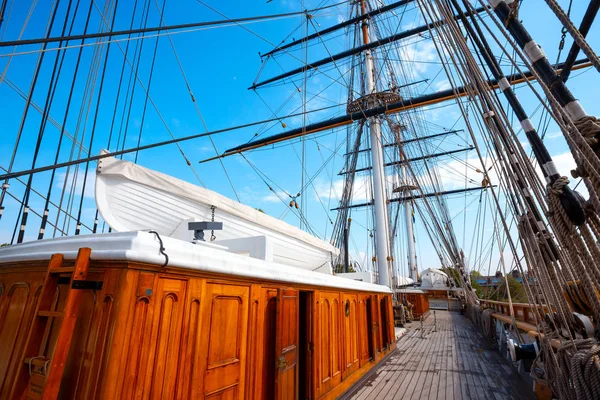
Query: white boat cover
[(145, 247), (132, 198)]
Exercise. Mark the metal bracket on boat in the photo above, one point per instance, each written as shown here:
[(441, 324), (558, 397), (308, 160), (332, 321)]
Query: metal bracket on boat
[(200, 227), (80, 284), (83, 285)]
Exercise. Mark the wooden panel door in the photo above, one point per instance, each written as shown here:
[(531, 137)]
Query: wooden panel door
[(17, 304), (351, 336), (286, 344), (374, 326), (223, 341), (165, 340), (364, 330), (328, 341), (384, 323)]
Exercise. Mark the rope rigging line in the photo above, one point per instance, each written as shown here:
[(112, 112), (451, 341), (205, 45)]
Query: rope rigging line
[(94, 122), (22, 31), (81, 125), (193, 99), (25, 201), (49, 101), (151, 75), (577, 36), (453, 53), (38, 66), (122, 73), (131, 31), (264, 178), (131, 86), (140, 148), (163, 121), (575, 254), (304, 64)]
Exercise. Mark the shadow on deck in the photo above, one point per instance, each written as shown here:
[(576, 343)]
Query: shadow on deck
[(451, 360)]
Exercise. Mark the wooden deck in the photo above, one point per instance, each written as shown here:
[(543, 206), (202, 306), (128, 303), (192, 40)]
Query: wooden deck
[(449, 361)]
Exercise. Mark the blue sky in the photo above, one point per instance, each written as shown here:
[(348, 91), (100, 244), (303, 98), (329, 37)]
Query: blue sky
[(220, 64)]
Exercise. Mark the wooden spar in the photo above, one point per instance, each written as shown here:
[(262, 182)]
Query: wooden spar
[(401, 162), (416, 197), (407, 104), (318, 127), (357, 50), (365, 24), (338, 26)]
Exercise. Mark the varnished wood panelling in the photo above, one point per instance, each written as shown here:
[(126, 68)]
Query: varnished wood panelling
[(229, 393), (363, 327), (336, 356), (105, 309), (166, 338), (119, 337), (254, 347), (92, 368), (286, 344), (375, 325), (325, 342), (17, 304), (351, 335), (139, 339), (265, 362), (166, 333), (81, 342), (330, 339), (190, 347), (225, 316)]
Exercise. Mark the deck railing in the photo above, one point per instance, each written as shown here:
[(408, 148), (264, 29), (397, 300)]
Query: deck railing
[(523, 312)]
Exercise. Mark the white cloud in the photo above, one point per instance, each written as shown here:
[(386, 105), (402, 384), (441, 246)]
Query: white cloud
[(554, 135), (443, 85), (420, 52), (409, 25), (90, 183), (274, 197), (361, 190), (452, 174)]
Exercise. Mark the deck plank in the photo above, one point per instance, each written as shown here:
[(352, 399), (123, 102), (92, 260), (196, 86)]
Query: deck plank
[(450, 361)]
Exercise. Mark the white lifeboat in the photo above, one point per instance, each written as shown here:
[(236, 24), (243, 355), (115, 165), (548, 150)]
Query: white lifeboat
[(133, 198)]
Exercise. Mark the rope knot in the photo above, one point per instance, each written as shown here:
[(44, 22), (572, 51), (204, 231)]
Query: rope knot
[(589, 127), (558, 186), (579, 172)]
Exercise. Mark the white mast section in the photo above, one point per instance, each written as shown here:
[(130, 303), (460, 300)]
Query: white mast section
[(382, 240), (405, 188), (413, 272)]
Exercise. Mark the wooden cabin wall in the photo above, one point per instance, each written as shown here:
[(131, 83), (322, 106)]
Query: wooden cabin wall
[(153, 334), (18, 296), (17, 305), (420, 302)]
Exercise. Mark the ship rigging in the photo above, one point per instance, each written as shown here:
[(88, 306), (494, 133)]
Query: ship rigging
[(346, 132)]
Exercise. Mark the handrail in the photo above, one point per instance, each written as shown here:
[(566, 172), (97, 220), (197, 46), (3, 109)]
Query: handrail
[(523, 312)]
